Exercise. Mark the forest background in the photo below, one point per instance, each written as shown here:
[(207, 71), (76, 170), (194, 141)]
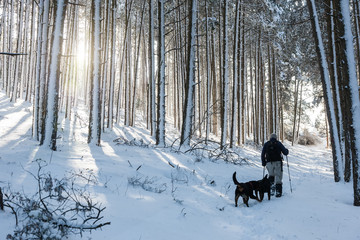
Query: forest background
[(229, 72)]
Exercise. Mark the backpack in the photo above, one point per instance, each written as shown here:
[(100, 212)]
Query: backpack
[(272, 152)]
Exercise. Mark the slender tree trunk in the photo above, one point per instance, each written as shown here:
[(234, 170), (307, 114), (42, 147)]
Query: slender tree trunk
[(225, 79), (137, 57), (95, 104), (113, 65), (4, 26), (334, 78), (299, 112), (190, 78), (275, 93), (296, 95), (54, 75), (208, 77), (160, 131), (105, 59), (10, 62), (351, 88), (18, 60), (243, 92), (36, 106), (235, 77), (152, 70), (24, 68), (43, 67), (215, 104)]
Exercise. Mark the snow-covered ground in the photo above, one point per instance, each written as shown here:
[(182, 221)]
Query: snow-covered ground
[(197, 201)]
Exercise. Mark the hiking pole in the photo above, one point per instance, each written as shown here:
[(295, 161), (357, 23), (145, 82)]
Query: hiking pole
[(287, 160)]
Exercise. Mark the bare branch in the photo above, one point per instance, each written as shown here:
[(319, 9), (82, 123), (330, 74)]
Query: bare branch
[(12, 54)]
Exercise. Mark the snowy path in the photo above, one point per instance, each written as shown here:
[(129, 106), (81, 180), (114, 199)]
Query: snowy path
[(198, 199)]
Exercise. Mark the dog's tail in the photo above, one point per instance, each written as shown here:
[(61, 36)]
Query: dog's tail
[(235, 180)]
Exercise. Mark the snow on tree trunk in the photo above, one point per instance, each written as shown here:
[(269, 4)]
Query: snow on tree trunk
[(136, 63), (24, 67), (105, 61), (334, 78), (43, 64), (235, 77), (95, 110), (128, 75), (54, 77), (352, 92), (19, 58), (32, 59), (335, 143), (113, 66), (190, 81), (4, 42), (208, 78), (225, 79), (152, 69), (275, 92), (243, 92), (35, 123), (10, 49), (160, 131)]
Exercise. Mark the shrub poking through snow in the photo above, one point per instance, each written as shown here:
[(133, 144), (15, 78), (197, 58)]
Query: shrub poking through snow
[(214, 151), (308, 138), (147, 183), (134, 142), (59, 208)]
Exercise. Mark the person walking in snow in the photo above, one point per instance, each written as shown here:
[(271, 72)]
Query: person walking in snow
[(271, 157)]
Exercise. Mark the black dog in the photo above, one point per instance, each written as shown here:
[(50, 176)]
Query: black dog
[(263, 187), (245, 190)]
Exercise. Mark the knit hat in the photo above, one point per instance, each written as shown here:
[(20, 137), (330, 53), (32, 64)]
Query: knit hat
[(273, 136)]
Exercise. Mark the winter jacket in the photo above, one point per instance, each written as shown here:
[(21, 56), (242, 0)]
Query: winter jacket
[(272, 150)]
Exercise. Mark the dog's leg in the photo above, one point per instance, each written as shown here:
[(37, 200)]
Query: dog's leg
[(261, 196), (236, 199), (246, 200), (258, 195), (253, 197)]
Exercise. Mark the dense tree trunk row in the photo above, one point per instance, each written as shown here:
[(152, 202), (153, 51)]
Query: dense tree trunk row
[(117, 76), (343, 79)]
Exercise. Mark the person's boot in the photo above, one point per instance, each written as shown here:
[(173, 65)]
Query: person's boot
[(278, 190), (272, 185)]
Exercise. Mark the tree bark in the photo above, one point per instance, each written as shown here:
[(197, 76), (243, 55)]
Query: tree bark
[(52, 110), (225, 79), (326, 86), (95, 104), (190, 78), (160, 131)]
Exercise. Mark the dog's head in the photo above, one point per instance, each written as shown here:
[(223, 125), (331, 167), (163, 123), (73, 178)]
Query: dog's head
[(265, 182)]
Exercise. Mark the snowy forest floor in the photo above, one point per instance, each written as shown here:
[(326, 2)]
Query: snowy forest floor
[(197, 201)]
